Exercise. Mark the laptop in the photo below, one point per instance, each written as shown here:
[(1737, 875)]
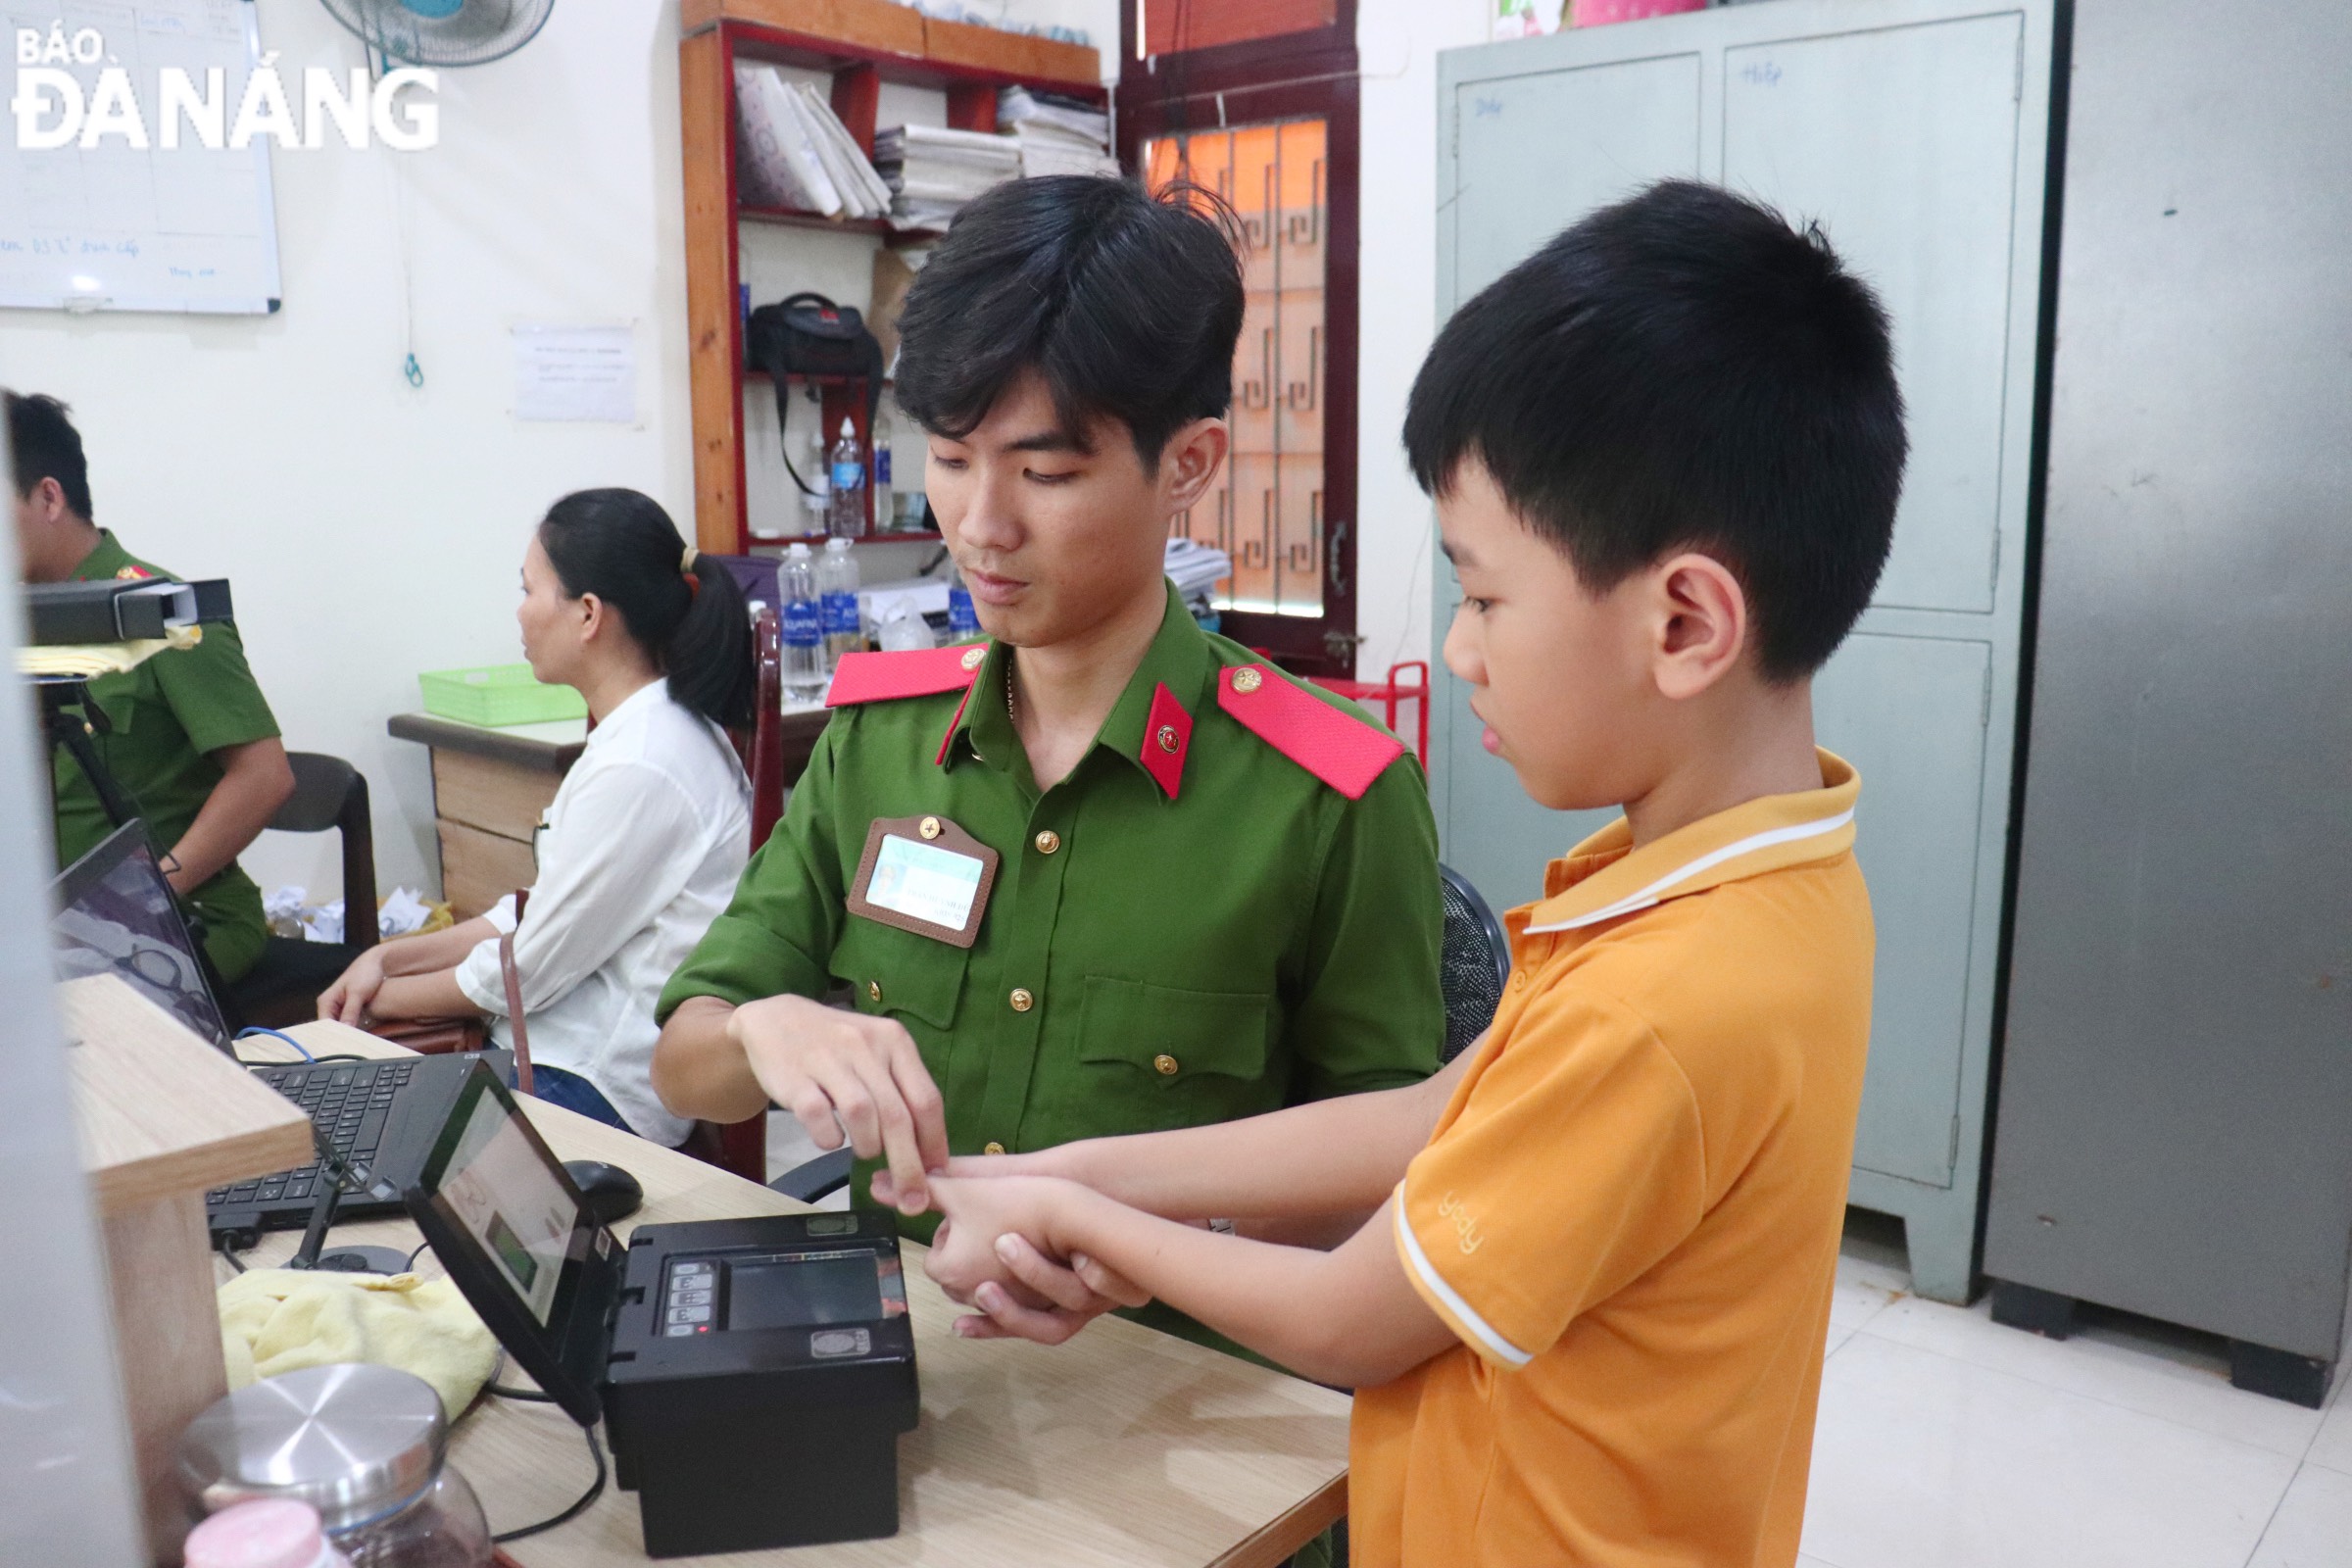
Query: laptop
[(115, 914)]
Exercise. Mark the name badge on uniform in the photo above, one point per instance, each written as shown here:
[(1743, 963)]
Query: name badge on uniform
[(926, 875)]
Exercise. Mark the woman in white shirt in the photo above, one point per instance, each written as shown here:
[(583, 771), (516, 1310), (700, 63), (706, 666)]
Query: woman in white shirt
[(647, 836)]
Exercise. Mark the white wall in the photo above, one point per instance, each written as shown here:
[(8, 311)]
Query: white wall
[(373, 530), (1397, 43)]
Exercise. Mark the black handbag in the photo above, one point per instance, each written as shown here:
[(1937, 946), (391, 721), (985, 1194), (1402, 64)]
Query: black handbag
[(808, 335)]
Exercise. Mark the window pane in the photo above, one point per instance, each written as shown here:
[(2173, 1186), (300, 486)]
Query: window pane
[(1168, 26), (1267, 508)]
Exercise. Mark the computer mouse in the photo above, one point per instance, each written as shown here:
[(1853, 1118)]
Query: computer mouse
[(611, 1192)]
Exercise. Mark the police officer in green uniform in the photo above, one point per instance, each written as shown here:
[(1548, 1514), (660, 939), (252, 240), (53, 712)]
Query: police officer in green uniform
[(189, 738), (1105, 872)]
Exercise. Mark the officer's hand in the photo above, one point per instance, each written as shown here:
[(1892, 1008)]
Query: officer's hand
[(841, 1071), (346, 1000)]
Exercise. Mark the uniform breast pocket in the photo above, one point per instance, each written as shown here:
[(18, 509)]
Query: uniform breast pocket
[(899, 974), (1161, 1056)]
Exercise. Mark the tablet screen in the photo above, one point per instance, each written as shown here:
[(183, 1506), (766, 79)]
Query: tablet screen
[(500, 1189)]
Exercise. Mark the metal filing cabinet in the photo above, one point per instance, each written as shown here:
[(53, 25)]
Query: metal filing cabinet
[(1916, 131), (2175, 1108)]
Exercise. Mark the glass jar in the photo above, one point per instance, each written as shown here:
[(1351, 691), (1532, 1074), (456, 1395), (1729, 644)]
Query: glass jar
[(440, 1526), (364, 1445)]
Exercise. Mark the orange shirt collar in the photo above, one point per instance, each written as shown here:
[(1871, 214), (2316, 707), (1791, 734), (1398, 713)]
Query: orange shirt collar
[(1603, 878)]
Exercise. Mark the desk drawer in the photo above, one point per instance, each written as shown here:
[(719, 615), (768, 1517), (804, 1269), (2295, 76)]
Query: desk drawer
[(500, 798), (478, 868)]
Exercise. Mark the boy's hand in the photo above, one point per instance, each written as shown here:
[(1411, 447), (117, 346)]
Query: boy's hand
[(997, 1237), (1043, 1163)]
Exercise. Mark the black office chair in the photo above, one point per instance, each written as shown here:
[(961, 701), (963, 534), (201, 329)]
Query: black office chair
[(283, 988), (1474, 962)]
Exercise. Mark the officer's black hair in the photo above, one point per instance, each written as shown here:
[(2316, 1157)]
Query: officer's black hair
[(1127, 304), (42, 444), (621, 546), (1684, 370)]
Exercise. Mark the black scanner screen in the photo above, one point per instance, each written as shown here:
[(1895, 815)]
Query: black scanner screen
[(806, 1291)]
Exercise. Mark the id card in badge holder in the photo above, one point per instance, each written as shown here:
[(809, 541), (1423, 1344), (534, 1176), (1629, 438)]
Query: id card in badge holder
[(926, 875)]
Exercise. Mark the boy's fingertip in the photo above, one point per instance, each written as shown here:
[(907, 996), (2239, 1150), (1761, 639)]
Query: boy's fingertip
[(1079, 1262), (1007, 1249)]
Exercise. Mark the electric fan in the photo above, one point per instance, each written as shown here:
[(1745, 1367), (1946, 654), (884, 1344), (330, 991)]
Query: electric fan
[(443, 32)]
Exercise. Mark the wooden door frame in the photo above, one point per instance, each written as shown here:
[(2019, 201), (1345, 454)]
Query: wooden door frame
[(1308, 75)]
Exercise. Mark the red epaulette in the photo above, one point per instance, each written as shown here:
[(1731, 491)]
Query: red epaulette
[(1344, 751), (916, 672)]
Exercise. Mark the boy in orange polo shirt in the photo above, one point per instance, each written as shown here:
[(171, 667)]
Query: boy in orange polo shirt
[(1585, 1322)]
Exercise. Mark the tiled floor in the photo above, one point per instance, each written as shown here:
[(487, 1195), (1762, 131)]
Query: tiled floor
[(1946, 1440)]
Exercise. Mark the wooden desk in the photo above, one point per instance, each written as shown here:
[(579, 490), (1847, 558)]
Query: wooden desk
[(491, 787), (1124, 1449)]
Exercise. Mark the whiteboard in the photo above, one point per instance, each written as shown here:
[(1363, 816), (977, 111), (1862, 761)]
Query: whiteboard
[(115, 229)]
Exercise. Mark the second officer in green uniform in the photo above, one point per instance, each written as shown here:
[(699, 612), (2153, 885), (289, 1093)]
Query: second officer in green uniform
[(189, 736), (1106, 873)]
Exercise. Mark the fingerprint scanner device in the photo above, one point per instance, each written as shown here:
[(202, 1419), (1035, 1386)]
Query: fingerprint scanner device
[(752, 1375)]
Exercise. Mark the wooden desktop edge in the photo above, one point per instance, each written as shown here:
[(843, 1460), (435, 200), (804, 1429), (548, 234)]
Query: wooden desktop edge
[(1269, 1546), (1279, 1542)]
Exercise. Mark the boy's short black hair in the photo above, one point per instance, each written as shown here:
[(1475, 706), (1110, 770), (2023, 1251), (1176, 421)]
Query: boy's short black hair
[(1684, 370), (1127, 304), (42, 444)]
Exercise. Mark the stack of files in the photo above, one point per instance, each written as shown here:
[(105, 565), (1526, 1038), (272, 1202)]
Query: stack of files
[(794, 152), (1195, 569), (1017, 106), (932, 173), (1055, 136)]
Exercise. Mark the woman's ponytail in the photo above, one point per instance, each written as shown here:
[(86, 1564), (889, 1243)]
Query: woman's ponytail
[(686, 613), (709, 655)]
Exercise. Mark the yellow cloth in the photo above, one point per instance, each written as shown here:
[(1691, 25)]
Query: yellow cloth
[(89, 659), (276, 1320), (1629, 1213)]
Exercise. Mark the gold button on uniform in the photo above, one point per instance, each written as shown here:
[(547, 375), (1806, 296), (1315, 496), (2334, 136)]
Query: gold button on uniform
[(1165, 1064), (992, 1148), (1167, 738), (973, 656), (929, 827), (1247, 680), (1048, 842), (874, 991), (1021, 999)]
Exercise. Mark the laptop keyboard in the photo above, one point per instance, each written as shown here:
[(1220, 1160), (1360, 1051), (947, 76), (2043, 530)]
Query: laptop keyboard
[(348, 1102)]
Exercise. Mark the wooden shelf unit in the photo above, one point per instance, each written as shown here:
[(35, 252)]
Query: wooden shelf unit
[(861, 44)]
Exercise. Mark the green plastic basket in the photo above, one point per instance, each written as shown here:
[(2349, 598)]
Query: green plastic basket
[(498, 694)]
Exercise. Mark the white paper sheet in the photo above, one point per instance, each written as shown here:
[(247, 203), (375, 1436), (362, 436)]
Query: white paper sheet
[(573, 373)]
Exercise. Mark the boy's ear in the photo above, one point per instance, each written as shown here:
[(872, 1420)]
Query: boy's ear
[(1700, 626), (1190, 463)]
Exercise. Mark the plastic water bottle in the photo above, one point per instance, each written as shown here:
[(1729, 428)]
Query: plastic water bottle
[(845, 506), (963, 621), (803, 634), (837, 597), (884, 519)]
